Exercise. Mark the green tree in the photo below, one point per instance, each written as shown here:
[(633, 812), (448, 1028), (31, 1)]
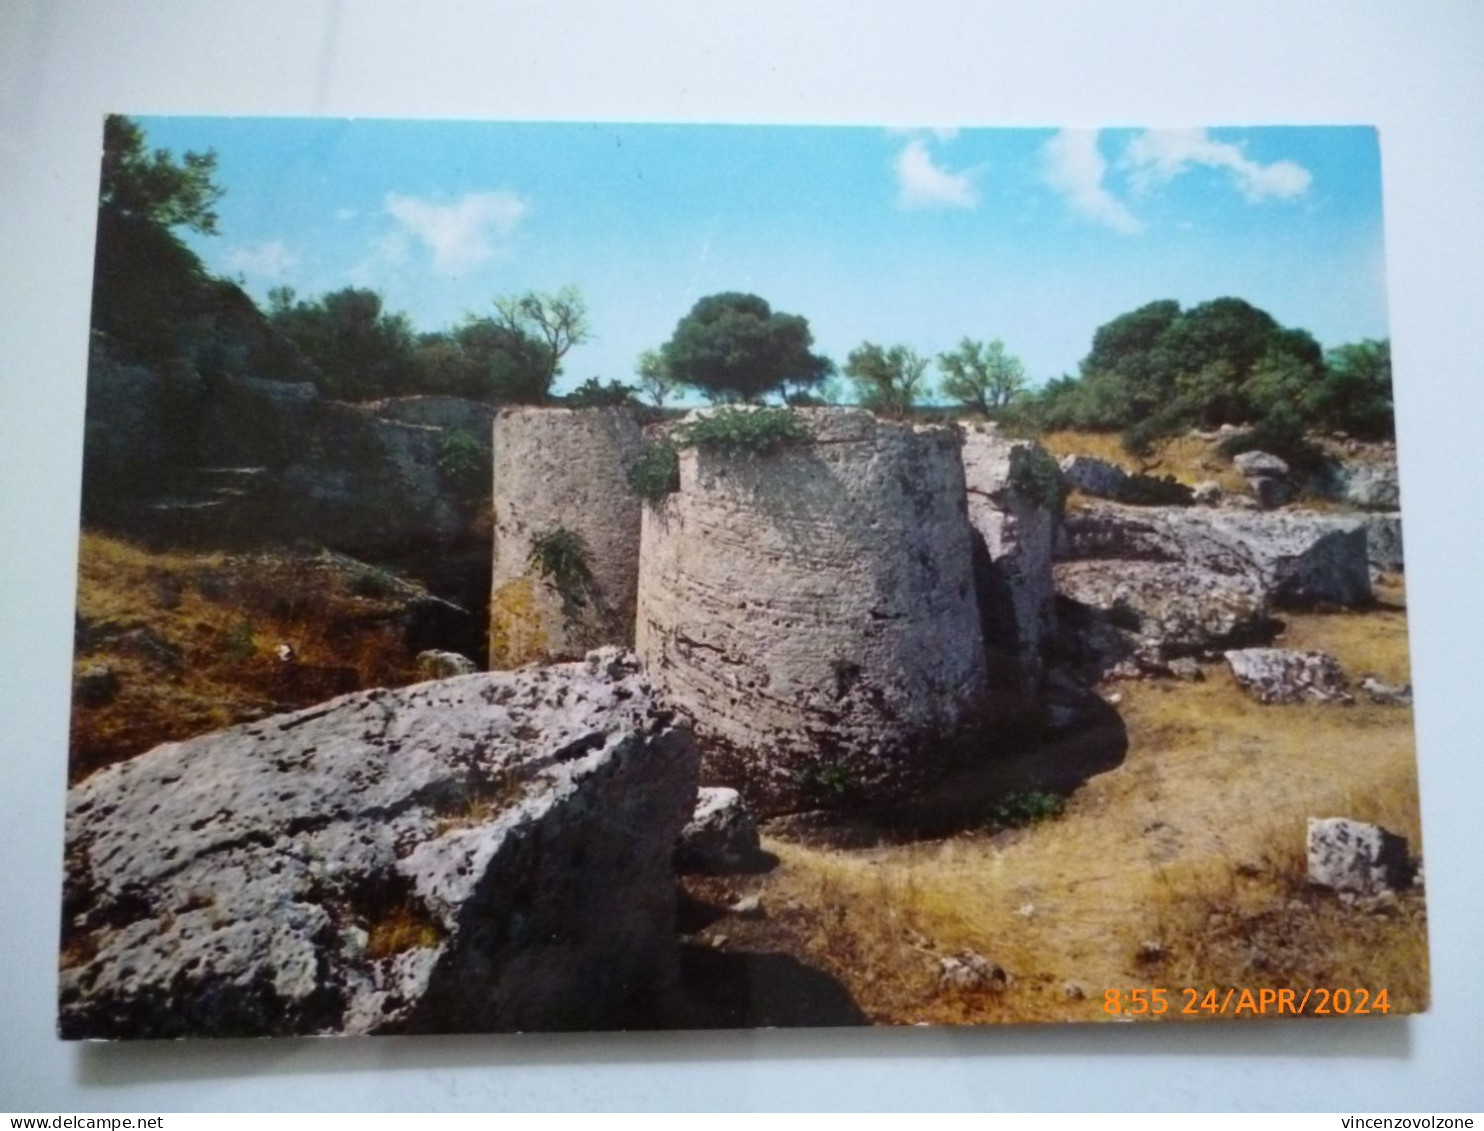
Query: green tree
[(1356, 394), (982, 376), (147, 285), (735, 347), (361, 350), (537, 331), (655, 379), (887, 380)]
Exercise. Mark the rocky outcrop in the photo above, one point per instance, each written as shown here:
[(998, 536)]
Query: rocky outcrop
[(1370, 484), (812, 610), (1268, 478), (1298, 558), (560, 483), (483, 853), (1168, 609), (1014, 501), (1278, 675), (1356, 857), (721, 836), (437, 664)]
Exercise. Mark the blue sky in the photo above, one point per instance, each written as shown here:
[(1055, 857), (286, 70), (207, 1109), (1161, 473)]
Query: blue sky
[(1034, 236)]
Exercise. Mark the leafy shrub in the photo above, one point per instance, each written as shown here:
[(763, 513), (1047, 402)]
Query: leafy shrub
[(463, 461), (593, 394), (746, 432), (560, 556), (656, 473), (1016, 810), (239, 643), (1035, 474)]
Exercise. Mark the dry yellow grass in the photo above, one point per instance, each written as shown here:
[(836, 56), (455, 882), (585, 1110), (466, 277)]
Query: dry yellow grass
[(191, 638), (1189, 459), (1196, 841)]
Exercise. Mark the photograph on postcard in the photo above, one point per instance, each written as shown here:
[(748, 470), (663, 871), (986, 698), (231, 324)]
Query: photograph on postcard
[(561, 576)]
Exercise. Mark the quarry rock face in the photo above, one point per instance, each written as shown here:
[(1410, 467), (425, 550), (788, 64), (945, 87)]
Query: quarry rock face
[(1370, 484), (1279, 675), (812, 610), (1353, 856), (1014, 521), (489, 852), (561, 472)]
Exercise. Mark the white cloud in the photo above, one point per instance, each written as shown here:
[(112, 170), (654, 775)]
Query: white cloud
[(1157, 157), (267, 260), (923, 183), (460, 235), (1074, 167)]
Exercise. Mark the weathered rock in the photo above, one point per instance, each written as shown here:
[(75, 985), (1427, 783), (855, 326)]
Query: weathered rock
[(1299, 558), (1271, 491), (1278, 675), (1093, 476), (1383, 537), (1188, 669), (812, 610), (968, 970), (484, 853), (1369, 484), (721, 836), (1356, 857), (561, 471), (1168, 608), (1385, 693), (437, 664), (1013, 509), (1252, 464)]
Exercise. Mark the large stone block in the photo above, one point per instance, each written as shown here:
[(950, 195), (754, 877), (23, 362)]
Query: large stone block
[(1352, 856), (812, 610), (563, 470), (1013, 510), (489, 852)]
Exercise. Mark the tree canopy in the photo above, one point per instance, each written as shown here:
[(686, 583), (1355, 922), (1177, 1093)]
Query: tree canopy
[(735, 347), (981, 376), (887, 380)]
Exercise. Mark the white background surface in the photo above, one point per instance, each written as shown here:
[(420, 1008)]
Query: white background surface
[(1416, 70)]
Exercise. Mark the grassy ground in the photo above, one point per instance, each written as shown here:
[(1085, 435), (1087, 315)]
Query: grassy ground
[(191, 640), (1195, 843)]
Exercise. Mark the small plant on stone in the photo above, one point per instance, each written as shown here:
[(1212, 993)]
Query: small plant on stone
[(751, 432), (656, 473), (1016, 810), (463, 462), (560, 556)]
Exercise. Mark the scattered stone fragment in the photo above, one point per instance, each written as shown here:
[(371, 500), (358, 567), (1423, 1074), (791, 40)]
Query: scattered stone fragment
[(1188, 669), (1093, 476), (969, 970), (1385, 693), (1356, 858), (1073, 992), (1151, 950), (721, 836), (748, 907), (1026, 911), (1249, 464), (435, 664), (1278, 675)]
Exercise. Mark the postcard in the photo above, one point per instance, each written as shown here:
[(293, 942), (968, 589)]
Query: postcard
[(562, 576)]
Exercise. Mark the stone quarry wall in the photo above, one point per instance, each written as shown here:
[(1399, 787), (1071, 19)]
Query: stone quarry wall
[(1016, 530), (489, 852), (812, 610), (562, 468)]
